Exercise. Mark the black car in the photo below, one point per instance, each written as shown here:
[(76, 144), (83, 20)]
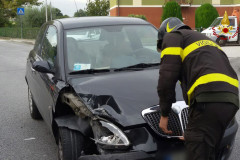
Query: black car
[(94, 79)]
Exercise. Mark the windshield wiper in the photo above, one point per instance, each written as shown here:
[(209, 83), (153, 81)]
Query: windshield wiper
[(90, 71), (138, 66)]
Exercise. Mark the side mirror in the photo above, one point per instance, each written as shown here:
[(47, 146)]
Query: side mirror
[(42, 66)]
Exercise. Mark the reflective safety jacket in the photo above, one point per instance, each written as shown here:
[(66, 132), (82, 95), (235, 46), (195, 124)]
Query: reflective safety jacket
[(198, 63)]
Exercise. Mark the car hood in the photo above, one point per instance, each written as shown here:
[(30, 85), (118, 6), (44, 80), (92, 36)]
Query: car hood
[(120, 96)]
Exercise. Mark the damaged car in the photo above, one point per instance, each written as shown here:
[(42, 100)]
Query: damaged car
[(93, 80)]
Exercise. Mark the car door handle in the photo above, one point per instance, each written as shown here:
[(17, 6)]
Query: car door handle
[(33, 70)]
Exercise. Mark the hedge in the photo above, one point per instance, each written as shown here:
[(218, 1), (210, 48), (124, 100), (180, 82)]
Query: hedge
[(205, 15), (171, 9), (138, 16), (28, 33)]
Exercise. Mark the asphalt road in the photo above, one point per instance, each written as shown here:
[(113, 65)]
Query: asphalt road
[(22, 138)]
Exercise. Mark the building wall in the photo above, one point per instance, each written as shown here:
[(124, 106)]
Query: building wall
[(228, 2), (236, 1), (153, 2), (162, 2), (152, 9), (188, 13), (152, 13), (198, 2)]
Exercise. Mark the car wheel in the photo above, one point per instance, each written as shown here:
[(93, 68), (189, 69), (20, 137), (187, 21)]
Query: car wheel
[(32, 107), (221, 41), (70, 144)]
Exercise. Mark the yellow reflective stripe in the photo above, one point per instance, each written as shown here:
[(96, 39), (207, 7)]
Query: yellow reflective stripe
[(192, 47), (172, 51), (212, 77)]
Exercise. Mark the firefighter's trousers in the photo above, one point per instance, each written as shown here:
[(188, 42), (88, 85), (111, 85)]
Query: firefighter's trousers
[(206, 126)]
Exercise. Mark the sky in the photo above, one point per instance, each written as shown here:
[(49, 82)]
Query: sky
[(67, 7)]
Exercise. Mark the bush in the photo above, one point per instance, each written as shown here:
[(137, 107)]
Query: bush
[(205, 15), (97, 7), (172, 9), (80, 13), (35, 16), (138, 16), (3, 19)]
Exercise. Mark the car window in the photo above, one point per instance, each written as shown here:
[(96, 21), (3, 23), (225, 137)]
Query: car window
[(39, 38), (107, 47), (49, 47), (232, 22), (218, 21), (146, 38)]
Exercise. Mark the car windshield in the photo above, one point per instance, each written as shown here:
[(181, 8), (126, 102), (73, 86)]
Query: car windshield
[(217, 22), (111, 47)]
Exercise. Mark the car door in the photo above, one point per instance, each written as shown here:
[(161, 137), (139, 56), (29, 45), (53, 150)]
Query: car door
[(34, 55), (45, 81)]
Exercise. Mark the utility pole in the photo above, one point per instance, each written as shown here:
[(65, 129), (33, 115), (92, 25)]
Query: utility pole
[(51, 9), (46, 12), (21, 27), (76, 5), (118, 7)]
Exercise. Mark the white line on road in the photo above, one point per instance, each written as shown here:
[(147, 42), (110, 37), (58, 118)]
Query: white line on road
[(28, 139)]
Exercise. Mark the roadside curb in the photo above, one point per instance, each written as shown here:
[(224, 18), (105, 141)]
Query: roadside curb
[(27, 41)]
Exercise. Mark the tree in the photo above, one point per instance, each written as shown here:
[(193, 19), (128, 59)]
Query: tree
[(172, 9), (35, 17), (97, 7), (10, 6), (3, 19), (65, 16), (80, 13), (138, 16), (58, 12), (205, 15)]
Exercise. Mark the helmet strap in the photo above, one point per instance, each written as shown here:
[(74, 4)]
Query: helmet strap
[(159, 44)]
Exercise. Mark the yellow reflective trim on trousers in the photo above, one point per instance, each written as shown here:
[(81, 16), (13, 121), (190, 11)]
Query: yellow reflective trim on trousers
[(212, 77), (198, 44), (172, 51)]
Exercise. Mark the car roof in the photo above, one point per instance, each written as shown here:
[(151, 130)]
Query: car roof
[(69, 23)]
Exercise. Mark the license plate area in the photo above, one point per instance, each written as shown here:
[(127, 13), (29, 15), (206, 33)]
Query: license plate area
[(180, 155)]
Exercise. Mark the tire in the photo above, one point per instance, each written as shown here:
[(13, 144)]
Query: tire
[(32, 107), (70, 144), (221, 41), (238, 41)]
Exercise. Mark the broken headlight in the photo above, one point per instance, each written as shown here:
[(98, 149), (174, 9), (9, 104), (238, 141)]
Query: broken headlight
[(109, 136)]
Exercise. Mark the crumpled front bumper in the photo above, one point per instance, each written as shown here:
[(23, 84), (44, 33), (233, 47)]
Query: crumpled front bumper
[(119, 156), (162, 146)]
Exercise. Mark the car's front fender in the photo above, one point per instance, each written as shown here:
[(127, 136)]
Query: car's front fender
[(75, 123)]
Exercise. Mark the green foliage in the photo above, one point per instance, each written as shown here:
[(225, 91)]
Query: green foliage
[(58, 13), (65, 16), (3, 19), (15, 32), (97, 8), (10, 6), (205, 15), (80, 13), (35, 17), (138, 16), (172, 9)]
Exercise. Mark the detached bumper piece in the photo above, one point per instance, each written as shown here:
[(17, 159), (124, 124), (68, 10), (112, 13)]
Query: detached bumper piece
[(119, 156), (177, 120)]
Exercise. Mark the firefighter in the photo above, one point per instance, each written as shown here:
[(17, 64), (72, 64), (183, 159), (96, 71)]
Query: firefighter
[(209, 85)]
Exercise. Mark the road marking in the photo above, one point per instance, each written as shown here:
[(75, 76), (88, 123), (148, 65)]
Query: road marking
[(28, 139)]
